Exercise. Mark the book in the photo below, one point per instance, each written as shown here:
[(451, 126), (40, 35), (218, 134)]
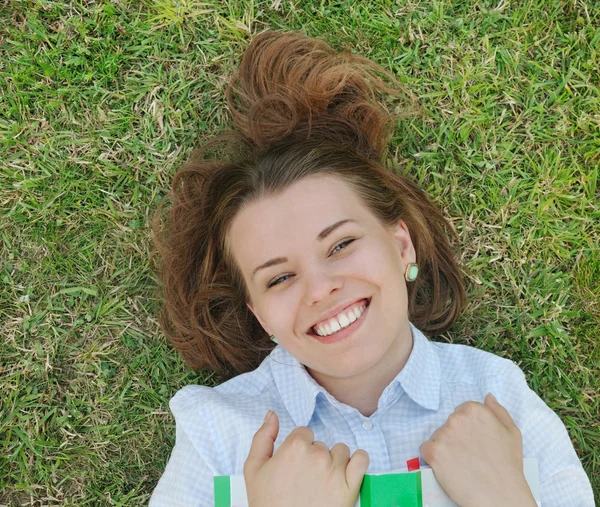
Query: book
[(417, 488)]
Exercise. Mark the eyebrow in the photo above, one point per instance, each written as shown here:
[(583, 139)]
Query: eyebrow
[(322, 235)]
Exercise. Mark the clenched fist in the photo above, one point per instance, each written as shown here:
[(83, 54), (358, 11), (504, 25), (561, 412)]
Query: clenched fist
[(302, 472), (477, 457)]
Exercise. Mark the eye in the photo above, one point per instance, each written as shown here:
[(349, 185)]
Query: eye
[(283, 278), (277, 281), (342, 245)]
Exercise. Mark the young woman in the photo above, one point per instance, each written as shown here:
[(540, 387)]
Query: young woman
[(301, 236)]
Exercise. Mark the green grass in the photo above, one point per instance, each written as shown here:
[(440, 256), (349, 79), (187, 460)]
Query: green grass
[(100, 102)]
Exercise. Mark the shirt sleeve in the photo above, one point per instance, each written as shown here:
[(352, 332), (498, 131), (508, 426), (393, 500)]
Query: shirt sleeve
[(562, 478), (188, 478)]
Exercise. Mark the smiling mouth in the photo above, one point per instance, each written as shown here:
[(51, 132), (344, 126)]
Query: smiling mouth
[(312, 331)]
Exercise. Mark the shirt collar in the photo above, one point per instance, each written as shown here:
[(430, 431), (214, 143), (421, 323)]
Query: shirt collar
[(298, 390), (421, 376), (420, 379)]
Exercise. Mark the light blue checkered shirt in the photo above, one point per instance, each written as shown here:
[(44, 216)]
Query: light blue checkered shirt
[(215, 426)]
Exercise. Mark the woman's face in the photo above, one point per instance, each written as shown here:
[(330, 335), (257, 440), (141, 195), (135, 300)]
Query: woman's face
[(312, 252)]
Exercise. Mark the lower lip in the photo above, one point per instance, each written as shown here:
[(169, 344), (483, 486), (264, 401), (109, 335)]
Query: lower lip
[(343, 333)]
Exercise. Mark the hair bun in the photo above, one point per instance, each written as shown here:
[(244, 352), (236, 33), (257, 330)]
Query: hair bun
[(289, 84)]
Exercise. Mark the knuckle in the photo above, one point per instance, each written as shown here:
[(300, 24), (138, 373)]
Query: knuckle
[(361, 455), (296, 442), (429, 451), (320, 447), (320, 452), (299, 438), (340, 446), (307, 433), (445, 432), (301, 433), (361, 452), (453, 421), (472, 408)]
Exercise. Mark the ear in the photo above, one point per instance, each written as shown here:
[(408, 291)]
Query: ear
[(404, 243), (258, 318)]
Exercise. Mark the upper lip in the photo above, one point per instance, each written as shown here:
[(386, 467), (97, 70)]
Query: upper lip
[(335, 311)]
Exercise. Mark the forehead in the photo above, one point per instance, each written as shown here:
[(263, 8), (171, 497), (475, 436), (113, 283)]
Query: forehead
[(269, 226)]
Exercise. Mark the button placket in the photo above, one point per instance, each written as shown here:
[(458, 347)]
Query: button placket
[(370, 438)]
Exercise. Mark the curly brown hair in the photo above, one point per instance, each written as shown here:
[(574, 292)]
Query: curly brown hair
[(299, 109)]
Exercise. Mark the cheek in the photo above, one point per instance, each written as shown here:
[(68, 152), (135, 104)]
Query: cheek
[(382, 267), (280, 312), (380, 262)]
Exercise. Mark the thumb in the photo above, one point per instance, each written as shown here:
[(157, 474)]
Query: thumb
[(499, 411), (263, 444), (356, 469)]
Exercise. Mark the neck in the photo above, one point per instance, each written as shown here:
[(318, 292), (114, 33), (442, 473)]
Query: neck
[(362, 391)]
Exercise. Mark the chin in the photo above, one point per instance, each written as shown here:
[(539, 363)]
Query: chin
[(351, 366)]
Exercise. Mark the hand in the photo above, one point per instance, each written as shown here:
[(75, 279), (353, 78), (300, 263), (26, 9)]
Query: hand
[(477, 457), (302, 472)]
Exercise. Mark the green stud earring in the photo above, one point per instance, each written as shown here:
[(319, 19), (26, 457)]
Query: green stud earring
[(411, 273), (273, 339)]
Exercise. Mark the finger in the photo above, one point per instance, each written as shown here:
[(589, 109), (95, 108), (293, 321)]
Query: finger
[(426, 451), (356, 469), (341, 455), (301, 433), (473, 411), (320, 445), (299, 440), (467, 406), (499, 411), (435, 435), (262, 444)]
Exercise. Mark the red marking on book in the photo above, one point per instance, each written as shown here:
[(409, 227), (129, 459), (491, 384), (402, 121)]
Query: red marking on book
[(413, 464)]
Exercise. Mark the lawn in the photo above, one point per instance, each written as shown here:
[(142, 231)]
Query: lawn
[(102, 101)]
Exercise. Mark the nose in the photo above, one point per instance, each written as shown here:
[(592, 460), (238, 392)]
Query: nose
[(319, 285)]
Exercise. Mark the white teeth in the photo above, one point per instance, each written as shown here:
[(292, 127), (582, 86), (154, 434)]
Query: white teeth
[(344, 321), (341, 321)]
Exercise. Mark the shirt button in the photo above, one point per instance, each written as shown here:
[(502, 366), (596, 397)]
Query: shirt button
[(367, 425)]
